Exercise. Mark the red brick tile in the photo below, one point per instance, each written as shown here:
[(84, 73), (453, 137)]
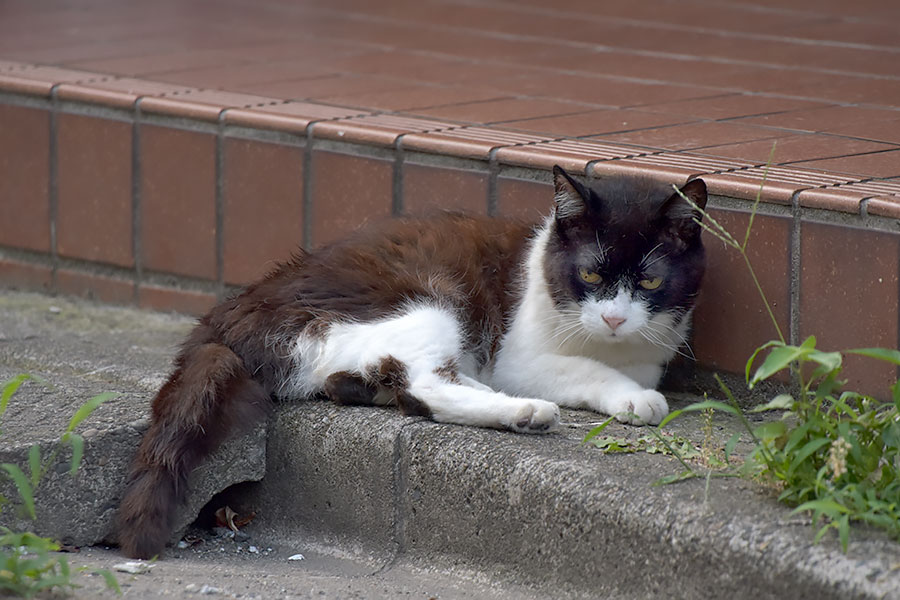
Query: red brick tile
[(20, 85), (691, 136), (177, 188), (294, 117), (877, 164), (884, 207), (523, 199), (795, 148), (175, 300), (778, 184), (468, 142), (429, 189), (572, 155), (115, 92), (348, 192), (416, 98), (24, 178), (94, 189), (839, 198), (263, 206), (667, 168), (323, 87), (203, 104), (600, 91), (95, 287), (505, 109), (595, 122), (859, 122), (848, 297), (24, 276), (732, 106), (379, 130), (230, 74), (730, 320)]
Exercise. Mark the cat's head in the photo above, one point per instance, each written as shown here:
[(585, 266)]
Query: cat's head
[(624, 255)]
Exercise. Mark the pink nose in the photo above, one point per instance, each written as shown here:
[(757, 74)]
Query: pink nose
[(613, 322)]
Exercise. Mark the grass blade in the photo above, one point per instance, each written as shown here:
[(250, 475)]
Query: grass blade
[(87, 408), (23, 485)]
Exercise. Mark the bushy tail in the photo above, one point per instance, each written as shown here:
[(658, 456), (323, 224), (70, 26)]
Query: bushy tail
[(209, 397)]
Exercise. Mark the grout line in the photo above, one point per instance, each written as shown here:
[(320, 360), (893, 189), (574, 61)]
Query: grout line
[(219, 202), (307, 199), (137, 246), (397, 199), (795, 270), (53, 186), (493, 200)]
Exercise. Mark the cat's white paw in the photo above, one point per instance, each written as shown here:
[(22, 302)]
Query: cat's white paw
[(646, 407), (535, 416)]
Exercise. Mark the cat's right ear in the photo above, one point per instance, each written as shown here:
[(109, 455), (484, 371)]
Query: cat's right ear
[(570, 196)]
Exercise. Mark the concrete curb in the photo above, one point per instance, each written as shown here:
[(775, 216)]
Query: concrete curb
[(546, 511)]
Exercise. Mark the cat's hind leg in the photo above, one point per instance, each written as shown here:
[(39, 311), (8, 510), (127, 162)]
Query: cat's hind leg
[(410, 359)]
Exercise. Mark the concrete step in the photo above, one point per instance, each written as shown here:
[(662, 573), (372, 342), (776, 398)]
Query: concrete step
[(546, 512)]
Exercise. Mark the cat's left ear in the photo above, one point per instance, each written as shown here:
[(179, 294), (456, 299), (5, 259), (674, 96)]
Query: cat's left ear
[(683, 214), (570, 197)]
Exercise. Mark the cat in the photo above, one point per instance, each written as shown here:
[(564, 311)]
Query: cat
[(461, 319)]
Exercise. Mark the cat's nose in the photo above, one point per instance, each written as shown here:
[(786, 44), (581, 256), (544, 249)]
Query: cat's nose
[(613, 322)]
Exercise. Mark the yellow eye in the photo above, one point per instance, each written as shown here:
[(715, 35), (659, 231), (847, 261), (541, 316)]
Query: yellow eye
[(588, 276), (651, 284)]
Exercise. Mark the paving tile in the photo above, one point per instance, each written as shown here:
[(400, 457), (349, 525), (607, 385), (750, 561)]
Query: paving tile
[(94, 219), (600, 91), (348, 191), (572, 155), (875, 164), (381, 130), (778, 184), (523, 199), (692, 136), (294, 117), (595, 122), (323, 87), (203, 104), (493, 111), (101, 288), (116, 92), (417, 99), (263, 207), (846, 120), (468, 142), (230, 74), (429, 189), (667, 168), (795, 148), (167, 299), (731, 320), (25, 276), (733, 106), (847, 272), (24, 178), (177, 201)]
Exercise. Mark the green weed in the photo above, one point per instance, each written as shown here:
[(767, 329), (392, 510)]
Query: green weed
[(833, 453), (28, 563)]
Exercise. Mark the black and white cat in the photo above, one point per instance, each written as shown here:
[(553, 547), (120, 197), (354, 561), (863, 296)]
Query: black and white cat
[(466, 320)]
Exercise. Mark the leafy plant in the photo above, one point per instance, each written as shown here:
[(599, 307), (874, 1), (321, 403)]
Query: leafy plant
[(27, 565), (834, 453)]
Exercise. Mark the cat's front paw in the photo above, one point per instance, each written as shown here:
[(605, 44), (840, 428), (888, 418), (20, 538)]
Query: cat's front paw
[(536, 416), (646, 407)]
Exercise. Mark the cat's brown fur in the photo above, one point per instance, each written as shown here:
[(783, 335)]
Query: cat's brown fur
[(236, 358)]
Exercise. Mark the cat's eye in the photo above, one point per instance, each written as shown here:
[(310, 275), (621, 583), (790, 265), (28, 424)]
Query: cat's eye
[(650, 284), (589, 276)]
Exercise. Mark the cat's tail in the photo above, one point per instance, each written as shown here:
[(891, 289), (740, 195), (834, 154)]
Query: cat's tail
[(208, 397)]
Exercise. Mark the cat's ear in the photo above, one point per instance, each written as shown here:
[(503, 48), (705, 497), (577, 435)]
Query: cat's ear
[(684, 215), (569, 197)]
